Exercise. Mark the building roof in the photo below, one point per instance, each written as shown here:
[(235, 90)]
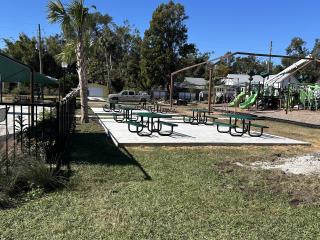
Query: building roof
[(241, 79), (196, 81)]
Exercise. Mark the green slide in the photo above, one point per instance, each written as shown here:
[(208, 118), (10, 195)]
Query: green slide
[(237, 100), (250, 101)]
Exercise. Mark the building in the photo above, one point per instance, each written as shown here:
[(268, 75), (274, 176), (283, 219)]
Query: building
[(193, 83), (242, 80), (190, 88)]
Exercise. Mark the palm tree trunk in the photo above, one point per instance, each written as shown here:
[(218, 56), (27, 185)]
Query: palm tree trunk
[(83, 80)]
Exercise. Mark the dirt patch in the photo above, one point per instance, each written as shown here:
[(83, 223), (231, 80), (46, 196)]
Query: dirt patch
[(306, 165), (299, 189)]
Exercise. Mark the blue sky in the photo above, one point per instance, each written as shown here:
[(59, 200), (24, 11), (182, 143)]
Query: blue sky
[(214, 25)]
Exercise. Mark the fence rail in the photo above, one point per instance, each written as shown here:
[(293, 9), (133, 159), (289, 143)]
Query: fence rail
[(39, 129)]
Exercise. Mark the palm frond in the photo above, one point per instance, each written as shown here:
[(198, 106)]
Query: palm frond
[(68, 53), (78, 13), (56, 11), (58, 14)]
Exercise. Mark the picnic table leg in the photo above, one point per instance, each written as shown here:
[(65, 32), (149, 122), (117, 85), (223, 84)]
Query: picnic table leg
[(244, 130), (238, 134), (115, 117), (204, 118), (125, 115), (150, 124), (154, 127), (254, 135), (135, 131), (147, 127), (159, 125), (194, 118), (222, 131)]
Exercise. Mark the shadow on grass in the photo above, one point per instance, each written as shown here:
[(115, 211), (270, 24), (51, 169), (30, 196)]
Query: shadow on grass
[(96, 148)]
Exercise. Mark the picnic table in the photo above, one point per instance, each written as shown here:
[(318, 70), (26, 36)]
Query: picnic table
[(245, 126), (126, 114), (198, 116), (151, 122)]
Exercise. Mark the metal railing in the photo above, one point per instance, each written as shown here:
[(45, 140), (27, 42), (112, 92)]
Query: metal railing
[(39, 129)]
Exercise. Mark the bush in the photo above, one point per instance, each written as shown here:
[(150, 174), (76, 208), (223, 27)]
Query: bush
[(27, 177), (51, 91), (21, 90)]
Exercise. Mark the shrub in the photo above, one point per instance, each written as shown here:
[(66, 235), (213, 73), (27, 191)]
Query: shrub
[(27, 176), (21, 90)]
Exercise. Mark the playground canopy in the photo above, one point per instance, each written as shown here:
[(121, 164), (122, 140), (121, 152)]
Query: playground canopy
[(15, 72)]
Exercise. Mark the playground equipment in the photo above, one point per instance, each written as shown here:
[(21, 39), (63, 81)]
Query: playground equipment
[(238, 99), (213, 62), (289, 70), (309, 96), (250, 101)]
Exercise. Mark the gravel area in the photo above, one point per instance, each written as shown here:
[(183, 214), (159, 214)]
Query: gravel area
[(306, 165)]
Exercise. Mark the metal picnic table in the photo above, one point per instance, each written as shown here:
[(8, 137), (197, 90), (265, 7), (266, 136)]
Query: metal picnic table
[(198, 116), (151, 122), (233, 119), (127, 114)]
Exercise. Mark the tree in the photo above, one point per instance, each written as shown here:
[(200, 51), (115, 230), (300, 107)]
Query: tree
[(24, 49), (297, 49), (313, 70), (246, 64), (76, 23), (163, 44), (116, 56)]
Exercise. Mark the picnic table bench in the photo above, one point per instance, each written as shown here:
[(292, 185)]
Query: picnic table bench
[(199, 116), (151, 122), (250, 125), (246, 125)]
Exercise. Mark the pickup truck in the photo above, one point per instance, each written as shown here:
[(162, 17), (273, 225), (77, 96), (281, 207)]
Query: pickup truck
[(129, 96)]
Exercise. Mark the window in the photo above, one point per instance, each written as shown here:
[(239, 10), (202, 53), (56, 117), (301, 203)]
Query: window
[(131, 93), (124, 93)]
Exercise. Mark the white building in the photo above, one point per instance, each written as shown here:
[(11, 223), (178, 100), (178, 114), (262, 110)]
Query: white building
[(241, 80)]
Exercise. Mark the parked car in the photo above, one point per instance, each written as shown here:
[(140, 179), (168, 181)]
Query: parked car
[(129, 96)]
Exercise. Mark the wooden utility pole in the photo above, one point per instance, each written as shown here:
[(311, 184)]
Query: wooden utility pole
[(171, 91), (210, 90)]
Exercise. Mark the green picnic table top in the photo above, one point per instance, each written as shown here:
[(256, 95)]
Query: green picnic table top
[(239, 116), (153, 115)]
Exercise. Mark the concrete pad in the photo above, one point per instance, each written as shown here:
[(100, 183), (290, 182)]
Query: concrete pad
[(186, 135)]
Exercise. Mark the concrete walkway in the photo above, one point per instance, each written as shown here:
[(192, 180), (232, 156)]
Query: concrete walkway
[(184, 135)]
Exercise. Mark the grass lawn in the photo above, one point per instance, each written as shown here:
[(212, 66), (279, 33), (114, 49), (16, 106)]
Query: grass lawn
[(173, 193)]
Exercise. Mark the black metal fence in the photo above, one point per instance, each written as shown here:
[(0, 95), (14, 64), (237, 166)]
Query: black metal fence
[(39, 129)]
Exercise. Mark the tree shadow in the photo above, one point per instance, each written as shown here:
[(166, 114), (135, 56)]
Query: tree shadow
[(96, 149)]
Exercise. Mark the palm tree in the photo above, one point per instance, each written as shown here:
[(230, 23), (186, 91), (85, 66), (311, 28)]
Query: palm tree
[(75, 21)]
